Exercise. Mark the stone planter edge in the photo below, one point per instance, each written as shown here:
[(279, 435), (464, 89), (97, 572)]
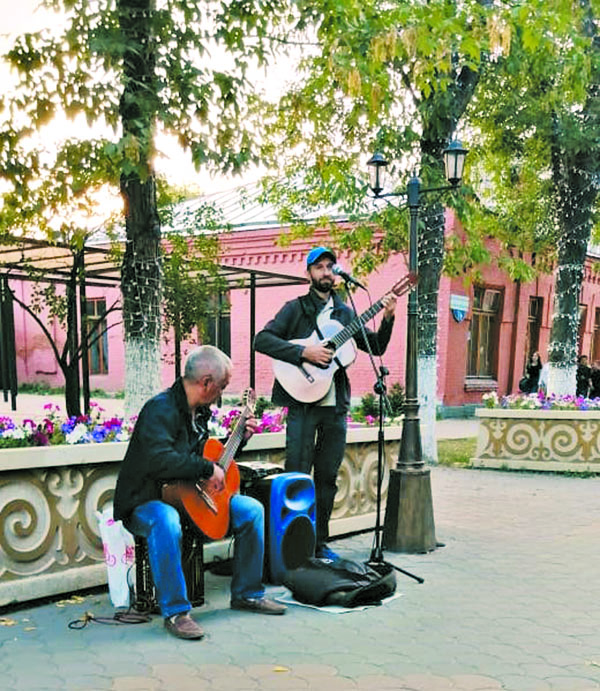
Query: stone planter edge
[(506, 462)]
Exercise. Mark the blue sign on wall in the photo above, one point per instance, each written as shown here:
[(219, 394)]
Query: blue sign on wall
[(459, 306)]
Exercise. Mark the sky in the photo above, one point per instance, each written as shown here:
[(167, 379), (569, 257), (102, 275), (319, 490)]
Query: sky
[(175, 164)]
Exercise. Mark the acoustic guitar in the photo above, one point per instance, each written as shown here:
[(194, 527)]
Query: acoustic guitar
[(207, 508), (309, 383)]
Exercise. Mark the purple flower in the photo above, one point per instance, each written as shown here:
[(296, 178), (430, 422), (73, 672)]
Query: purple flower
[(39, 438), (6, 423), (100, 433)]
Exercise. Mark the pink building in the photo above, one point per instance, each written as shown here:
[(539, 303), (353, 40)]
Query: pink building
[(485, 332)]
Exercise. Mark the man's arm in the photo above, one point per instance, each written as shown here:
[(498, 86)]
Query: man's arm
[(167, 460), (379, 340), (273, 339)]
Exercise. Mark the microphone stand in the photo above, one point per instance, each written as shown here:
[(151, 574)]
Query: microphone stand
[(376, 561)]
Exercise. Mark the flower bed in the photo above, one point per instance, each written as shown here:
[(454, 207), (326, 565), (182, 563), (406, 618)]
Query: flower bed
[(539, 401), (535, 432), (55, 429)]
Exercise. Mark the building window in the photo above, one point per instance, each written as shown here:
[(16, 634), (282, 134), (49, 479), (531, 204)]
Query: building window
[(596, 336), (483, 335), (217, 325), (97, 336), (534, 323)]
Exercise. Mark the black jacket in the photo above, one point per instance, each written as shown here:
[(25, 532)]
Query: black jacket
[(298, 319), (594, 383), (533, 374), (163, 446)]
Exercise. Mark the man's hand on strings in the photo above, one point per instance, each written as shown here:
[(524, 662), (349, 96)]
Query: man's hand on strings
[(251, 427), (389, 305), (216, 481), (318, 354)]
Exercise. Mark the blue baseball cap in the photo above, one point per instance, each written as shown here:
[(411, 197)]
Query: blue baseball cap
[(316, 253)]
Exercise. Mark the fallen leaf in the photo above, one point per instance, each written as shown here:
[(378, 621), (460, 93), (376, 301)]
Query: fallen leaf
[(281, 669), (5, 621), (75, 600), (30, 628)]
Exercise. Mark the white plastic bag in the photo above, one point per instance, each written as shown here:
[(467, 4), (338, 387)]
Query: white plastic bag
[(119, 555)]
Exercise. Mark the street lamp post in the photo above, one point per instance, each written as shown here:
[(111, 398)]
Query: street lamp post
[(409, 526)]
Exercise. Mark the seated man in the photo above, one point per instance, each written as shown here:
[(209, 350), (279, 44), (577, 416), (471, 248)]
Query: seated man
[(167, 445)]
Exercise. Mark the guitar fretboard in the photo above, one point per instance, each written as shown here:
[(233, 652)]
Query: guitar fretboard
[(235, 439), (355, 325)]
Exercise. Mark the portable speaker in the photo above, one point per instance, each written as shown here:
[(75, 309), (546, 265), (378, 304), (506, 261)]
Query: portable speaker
[(290, 533)]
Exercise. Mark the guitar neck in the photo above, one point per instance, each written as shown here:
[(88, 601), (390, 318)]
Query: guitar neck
[(234, 441), (355, 325)]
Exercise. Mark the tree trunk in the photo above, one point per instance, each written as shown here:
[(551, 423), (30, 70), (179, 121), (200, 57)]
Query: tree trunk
[(574, 216), (439, 124), (72, 389), (431, 259), (141, 289), (576, 184), (141, 270)]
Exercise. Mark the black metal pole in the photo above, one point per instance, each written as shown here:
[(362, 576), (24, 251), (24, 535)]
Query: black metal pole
[(410, 446), (252, 329), (84, 335), (3, 349), (409, 525)]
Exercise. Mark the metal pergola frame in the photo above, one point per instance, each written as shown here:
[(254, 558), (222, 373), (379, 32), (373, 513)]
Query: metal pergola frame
[(54, 261)]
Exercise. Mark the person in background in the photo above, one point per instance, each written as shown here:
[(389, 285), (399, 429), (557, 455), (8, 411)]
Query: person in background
[(166, 445), (583, 377), (595, 380), (530, 382)]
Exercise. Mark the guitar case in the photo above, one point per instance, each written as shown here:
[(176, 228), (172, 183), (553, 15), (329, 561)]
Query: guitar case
[(340, 582)]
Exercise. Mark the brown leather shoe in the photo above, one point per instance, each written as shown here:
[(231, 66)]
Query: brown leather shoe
[(183, 626), (262, 605)]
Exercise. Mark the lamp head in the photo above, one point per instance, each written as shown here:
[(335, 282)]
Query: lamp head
[(454, 162), (377, 165)]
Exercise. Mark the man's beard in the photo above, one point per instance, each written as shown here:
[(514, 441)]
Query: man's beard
[(323, 285)]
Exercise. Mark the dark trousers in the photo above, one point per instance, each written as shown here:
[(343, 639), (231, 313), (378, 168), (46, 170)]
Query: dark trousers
[(316, 439)]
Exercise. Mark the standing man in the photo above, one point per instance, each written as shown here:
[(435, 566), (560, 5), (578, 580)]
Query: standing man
[(166, 445), (316, 432)]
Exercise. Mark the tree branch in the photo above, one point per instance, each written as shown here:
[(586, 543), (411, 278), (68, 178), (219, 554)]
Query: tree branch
[(41, 324)]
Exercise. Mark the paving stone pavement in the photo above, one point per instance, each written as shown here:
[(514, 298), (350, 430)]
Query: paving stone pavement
[(512, 601)]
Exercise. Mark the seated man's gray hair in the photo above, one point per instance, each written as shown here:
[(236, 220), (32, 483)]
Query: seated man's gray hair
[(205, 360)]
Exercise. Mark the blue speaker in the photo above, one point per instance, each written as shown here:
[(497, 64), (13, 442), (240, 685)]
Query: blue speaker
[(290, 529)]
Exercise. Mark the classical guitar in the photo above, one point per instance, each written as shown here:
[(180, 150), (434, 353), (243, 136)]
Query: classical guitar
[(207, 508), (309, 383)]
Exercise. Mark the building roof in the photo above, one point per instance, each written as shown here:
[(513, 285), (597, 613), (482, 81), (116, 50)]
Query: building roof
[(245, 208)]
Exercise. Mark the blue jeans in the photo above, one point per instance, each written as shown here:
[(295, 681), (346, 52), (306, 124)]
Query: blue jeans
[(160, 524), (316, 440)]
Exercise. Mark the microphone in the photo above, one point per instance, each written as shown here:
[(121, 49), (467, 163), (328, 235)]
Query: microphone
[(338, 271)]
